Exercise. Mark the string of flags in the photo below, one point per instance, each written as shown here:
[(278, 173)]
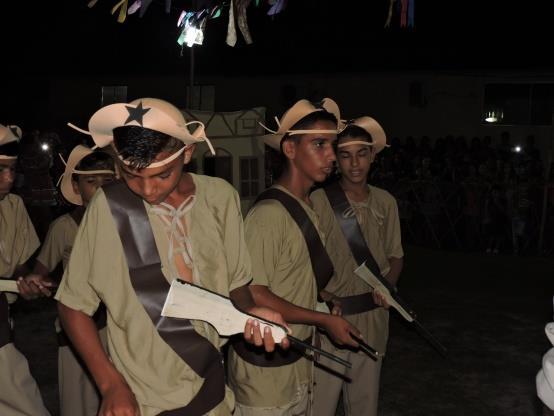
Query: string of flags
[(191, 24), (403, 11)]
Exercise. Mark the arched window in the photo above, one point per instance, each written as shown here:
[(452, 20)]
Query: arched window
[(220, 165)]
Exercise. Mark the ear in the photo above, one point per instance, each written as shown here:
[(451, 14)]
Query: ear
[(75, 186), (372, 154), (289, 149), (189, 150)]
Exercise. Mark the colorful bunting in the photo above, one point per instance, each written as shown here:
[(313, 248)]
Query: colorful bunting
[(192, 24), (403, 11)]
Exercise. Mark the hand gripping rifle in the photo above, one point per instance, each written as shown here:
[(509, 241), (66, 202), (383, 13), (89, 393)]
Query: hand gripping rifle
[(186, 300), (391, 295)]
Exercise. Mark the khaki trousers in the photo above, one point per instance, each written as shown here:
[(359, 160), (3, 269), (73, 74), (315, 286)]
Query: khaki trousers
[(360, 395), (298, 407), (19, 394)]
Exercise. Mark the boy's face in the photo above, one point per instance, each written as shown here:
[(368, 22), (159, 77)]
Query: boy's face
[(355, 160), (7, 176), (86, 185), (155, 184), (313, 154)]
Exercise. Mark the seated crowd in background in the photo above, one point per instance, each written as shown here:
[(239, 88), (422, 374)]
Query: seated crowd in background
[(474, 194), (478, 194)]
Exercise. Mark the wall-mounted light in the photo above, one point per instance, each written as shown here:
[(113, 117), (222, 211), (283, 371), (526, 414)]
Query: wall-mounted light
[(494, 116)]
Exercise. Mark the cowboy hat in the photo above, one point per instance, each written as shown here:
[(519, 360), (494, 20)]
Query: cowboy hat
[(378, 137), (78, 153), (149, 113), (8, 134), (293, 115)]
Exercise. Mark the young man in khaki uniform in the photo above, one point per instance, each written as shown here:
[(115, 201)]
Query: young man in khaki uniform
[(179, 225), (377, 215), (85, 172), (283, 275), (19, 394)]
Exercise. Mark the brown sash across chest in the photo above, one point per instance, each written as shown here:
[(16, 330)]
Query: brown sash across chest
[(321, 263), (321, 266), (353, 235), (151, 288)]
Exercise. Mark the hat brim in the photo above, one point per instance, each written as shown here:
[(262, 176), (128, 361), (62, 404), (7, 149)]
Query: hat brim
[(105, 120), (66, 187), (273, 141), (378, 136), (9, 138), (297, 112)]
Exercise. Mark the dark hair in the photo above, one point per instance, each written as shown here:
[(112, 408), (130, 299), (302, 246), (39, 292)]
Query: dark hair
[(352, 131), (306, 122), (303, 124), (95, 161), (10, 149), (139, 146)]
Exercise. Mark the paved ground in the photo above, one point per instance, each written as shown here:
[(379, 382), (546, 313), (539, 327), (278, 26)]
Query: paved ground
[(489, 311)]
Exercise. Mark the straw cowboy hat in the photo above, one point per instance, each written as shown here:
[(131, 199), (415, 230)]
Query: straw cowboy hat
[(378, 137), (8, 134), (149, 113), (293, 115), (77, 154)]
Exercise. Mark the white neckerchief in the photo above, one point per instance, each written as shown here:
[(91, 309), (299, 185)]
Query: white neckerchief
[(357, 208), (179, 241)]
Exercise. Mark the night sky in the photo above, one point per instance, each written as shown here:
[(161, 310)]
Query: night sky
[(65, 38)]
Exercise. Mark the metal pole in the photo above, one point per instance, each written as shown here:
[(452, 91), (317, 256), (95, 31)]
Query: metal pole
[(191, 80)]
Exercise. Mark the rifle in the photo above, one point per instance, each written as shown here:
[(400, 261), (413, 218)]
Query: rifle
[(189, 301), (390, 293)]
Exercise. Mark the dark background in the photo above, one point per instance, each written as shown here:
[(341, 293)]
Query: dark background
[(65, 37)]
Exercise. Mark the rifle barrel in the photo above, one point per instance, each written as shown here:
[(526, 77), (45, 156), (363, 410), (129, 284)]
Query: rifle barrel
[(333, 357), (430, 338), (365, 347)]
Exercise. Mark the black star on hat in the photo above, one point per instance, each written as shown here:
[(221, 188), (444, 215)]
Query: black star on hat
[(136, 113), (14, 131)]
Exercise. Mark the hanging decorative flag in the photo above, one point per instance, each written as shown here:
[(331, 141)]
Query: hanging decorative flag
[(134, 7), (278, 6), (389, 15), (122, 6), (231, 39), (404, 13), (192, 24), (411, 7)]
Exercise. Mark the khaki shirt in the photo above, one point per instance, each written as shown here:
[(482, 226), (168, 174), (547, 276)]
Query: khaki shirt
[(280, 261), (58, 242), (380, 224), (97, 271), (18, 239)]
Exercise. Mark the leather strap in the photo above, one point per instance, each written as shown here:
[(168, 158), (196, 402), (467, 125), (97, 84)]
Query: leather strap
[(356, 242), (5, 330), (257, 356), (352, 305), (321, 263), (151, 288)]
